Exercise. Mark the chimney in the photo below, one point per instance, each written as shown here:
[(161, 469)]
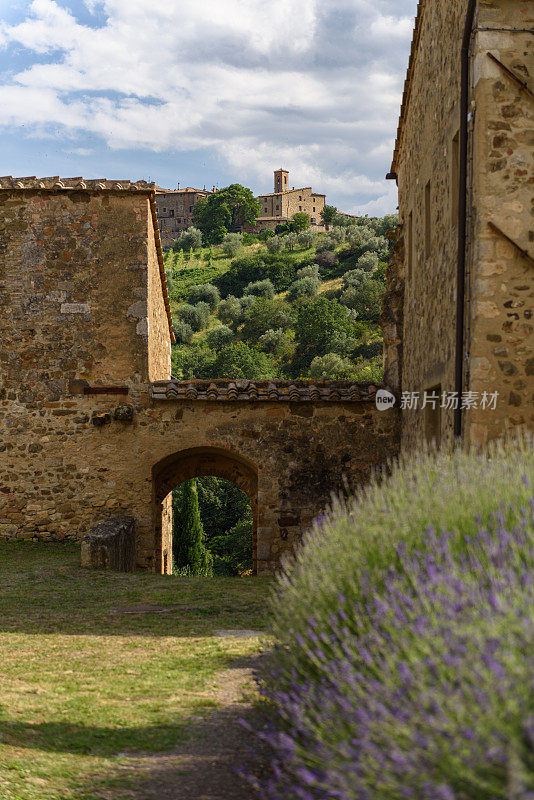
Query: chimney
[(178, 185), (213, 189), (204, 187)]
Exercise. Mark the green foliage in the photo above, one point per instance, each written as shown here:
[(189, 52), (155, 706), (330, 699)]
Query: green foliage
[(275, 244), (219, 337), (231, 244), (246, 302), (238, 360), (233, 550), (365, 299), (283, 228), (306, 239), (317, 322), (189, 551), (183, 333), (304, 287), (229, 310), (196, 316), (368, 261), (225, 210), (328, 215), (267, 314), (249, 238), (309, 271), (169, 278), (206, 293), (263, 288), (277, 343), (192, 361), (279, 269), (301, 221), (332, 367), (266, 234), (185, 276), (191, 239), (370, 369)]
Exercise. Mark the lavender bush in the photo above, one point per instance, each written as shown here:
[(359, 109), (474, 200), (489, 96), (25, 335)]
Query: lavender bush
[(404, 655)]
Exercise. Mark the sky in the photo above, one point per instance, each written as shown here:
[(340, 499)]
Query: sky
[(207, 92)]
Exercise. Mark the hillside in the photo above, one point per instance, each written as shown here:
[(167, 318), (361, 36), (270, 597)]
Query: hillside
[(290, 306)]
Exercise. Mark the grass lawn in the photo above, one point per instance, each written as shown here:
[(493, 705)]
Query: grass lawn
[(86, 680)]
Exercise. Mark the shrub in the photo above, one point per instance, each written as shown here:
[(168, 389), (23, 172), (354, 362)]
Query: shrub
[(191, 239), (196, 316), (304, 287), (274, 244), (290, 241), (301, 221), (327, 243), (326, 261), (246, 302), (192, 361), (264, 315), (354, 277), (234, 548), (219, 337), (206, 293), (183, 332), (306, 239), (309, 271), (368, 262), (263, 288), (337, 235), (229, 311), (404, 638), (231, 244), (249, 238), (365, 299), (240, 361), (331, 367), (265, 234), (277, 343), (279, 269)]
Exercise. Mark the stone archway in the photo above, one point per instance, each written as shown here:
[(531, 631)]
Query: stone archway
[(198, 462)]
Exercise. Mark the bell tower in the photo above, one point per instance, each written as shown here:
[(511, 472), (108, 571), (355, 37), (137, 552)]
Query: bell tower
[(281, 180)]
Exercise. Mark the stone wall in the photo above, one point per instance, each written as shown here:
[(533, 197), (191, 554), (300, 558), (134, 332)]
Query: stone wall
[(498, 342), (500, 327), (91, 427)]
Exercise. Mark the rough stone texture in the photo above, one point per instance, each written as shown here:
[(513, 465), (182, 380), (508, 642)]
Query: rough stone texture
[(110, 545), (175, 211), (92, 427), (499, 329)]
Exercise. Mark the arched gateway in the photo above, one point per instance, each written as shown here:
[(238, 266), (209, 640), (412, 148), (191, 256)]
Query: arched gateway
[(199, 462), (93, 427)]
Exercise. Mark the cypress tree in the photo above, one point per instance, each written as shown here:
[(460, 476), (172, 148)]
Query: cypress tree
[(189, 550)]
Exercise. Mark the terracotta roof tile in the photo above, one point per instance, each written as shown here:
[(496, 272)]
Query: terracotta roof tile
[(56, 183), (265, 391)]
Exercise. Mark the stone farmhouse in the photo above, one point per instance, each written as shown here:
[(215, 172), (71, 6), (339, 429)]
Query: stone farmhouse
[(93, 426), (458, 315), (175, 210), (279, 207)]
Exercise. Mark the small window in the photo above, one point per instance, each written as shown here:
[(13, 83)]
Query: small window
[(314, 209), (432, 412), (300, 197), (164, 210), (455, 177), (428, 219), (409, 246), (191, 208), (285, 178), (278, 208), (313, 199), (300, 208), (172, 212)]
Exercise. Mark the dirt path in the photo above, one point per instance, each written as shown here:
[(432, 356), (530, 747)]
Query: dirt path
[(203, 768)]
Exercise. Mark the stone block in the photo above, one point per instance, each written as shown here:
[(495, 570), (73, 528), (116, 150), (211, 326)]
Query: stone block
[(110, 545)]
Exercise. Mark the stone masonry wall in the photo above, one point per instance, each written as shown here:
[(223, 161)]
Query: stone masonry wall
[(83, 434), (498, 344), (432, 122), (501, 326)]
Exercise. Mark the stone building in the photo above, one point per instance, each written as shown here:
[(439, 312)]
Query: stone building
[(91, 423), (175, 210), (279, 207), (458, 313)]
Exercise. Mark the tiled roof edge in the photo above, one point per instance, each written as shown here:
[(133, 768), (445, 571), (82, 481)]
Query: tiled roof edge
[(266, 390), (57, 184)]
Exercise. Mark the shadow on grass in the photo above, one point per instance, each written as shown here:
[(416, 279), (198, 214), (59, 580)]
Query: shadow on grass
[(45, 591)]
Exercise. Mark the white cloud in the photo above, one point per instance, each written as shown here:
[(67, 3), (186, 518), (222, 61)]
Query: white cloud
[(260, 83)]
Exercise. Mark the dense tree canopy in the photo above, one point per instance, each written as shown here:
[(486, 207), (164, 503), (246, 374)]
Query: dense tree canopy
[(225, 210)]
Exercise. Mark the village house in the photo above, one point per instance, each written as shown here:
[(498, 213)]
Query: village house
[(280, 206), (175, 210)]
